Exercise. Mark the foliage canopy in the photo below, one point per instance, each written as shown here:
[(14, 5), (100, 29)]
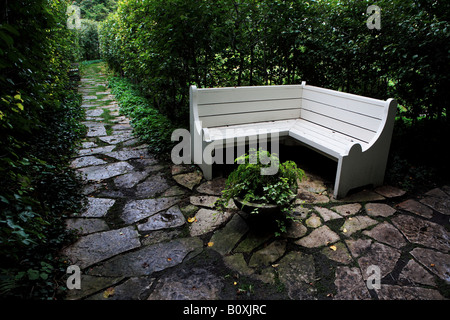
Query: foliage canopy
[(167, 45)]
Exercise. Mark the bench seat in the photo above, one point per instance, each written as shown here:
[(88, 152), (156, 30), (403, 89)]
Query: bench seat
[(243, 130), (354, 131), (331, 143)]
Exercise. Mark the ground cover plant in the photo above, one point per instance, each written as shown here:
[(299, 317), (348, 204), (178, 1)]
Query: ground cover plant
[(40, 118), (148, 123)]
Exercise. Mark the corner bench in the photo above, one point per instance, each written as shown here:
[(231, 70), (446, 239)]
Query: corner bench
[(353, 130)]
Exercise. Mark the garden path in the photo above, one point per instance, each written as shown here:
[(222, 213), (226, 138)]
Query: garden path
[(149, 231)]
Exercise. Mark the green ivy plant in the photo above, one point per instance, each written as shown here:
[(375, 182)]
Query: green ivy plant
[(247, 183)]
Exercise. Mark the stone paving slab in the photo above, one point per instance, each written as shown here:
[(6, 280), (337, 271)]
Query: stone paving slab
[(356, 223), (207, 221), (416, 208), (388, 234), (434, 261), (390, 191), (137, 210), (347, 209), (96, 130), (413, 273), (225, 239), (423, 232), (152, 186), (269, 254), (296, 271), (383, 256), (440, 204), (106, 171), (86, 161), (96, 150), (91, 285), (117, 138), (327, 214), (338, 253), (149, 259), (94, 113), (132, 289), (379, 210), (393, 292), (318, 238), (127, 154), (96, 247), (97, 207), (350, 284), (87, 226), (188, 284), (172, 218)]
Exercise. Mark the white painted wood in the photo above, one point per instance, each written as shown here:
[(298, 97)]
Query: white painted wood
[(338, 126), (249, 117), (248, 106), (243, 130), (363, 105), (355, 131), (309, 126), (343, 115), (239, 94)]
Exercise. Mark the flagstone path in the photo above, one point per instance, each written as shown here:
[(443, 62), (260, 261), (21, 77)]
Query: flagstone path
[(150, 231)]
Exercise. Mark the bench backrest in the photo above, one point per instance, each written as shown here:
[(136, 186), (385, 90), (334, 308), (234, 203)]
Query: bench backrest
[(355, 116), (239, 105)]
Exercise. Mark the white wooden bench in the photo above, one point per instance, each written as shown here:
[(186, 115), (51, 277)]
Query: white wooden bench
[(353, 130)]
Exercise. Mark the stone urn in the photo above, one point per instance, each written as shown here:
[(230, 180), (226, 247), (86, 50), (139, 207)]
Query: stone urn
[(266, 216)]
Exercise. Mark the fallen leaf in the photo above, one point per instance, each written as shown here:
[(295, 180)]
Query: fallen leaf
[(192, 219), (108, 292), (275, 265), (210, 244), (169, 259), (432, 265), (333, 248)]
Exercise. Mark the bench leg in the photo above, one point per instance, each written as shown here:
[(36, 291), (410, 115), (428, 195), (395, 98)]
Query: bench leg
[(358, 169), (207, 170)]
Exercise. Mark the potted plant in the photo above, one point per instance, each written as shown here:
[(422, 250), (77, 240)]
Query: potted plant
[(267, 199)]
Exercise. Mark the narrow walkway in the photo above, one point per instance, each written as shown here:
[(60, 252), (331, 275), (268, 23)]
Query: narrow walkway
[(150, 231)]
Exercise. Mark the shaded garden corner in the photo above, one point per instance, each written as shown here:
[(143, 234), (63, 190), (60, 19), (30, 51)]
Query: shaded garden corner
[(150, 230)]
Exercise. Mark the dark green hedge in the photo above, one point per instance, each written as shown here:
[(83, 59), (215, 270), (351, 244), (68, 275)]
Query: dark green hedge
[(39, 125), (167, 45)]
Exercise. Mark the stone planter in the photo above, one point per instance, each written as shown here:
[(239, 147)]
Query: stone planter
[(267, 216)]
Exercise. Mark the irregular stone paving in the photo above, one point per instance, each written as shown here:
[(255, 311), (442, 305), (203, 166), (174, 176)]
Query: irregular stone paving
[(150, 231)]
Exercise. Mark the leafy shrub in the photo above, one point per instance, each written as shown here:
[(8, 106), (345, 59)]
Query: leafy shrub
[(88, 40), (167, 45), (149, 124), (39, 127), (249, 184)]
